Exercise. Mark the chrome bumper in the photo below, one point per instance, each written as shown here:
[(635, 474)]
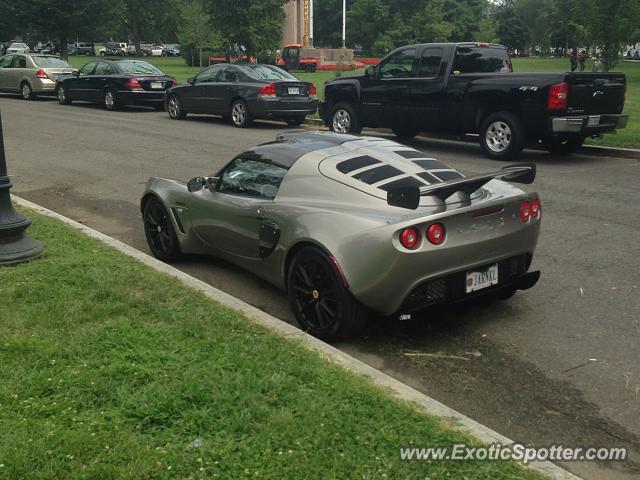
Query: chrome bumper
[(588, 124)]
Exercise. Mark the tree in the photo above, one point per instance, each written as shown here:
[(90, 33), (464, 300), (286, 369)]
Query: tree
[(256, 24), (195, 29), (511, 30), (327, 28), (64, 20)]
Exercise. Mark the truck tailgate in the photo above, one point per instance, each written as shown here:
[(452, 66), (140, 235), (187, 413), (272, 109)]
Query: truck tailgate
[(595, 93)]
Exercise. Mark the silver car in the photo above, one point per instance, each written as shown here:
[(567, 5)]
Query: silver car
[(31, 74), (18, 48), (349, 225)]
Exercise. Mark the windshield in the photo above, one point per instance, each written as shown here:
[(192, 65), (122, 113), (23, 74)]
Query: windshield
[(132, 67), (50, 62), (268, 72), (481, 60)]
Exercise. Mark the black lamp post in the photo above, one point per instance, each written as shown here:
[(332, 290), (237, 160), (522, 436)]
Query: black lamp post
[(15, 246)]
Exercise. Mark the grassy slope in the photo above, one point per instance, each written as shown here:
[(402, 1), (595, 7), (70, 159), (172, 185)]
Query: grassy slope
[(629, 137), (112, 371)]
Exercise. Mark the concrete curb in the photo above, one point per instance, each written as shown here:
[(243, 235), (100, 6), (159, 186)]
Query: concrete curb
[(595, 150), (397, 388)]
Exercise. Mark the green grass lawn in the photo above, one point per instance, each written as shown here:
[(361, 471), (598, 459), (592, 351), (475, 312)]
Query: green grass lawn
[(111, 370), (628, 137)]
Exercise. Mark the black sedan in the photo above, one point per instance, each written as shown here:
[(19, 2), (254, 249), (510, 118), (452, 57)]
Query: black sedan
[(115, 83), (243, 93)]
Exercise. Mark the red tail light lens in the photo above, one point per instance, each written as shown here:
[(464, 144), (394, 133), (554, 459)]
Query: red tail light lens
[(268, 90), (436, 233), (525, 212), (41, 74), (173, 82), (133, 84), (312, 91), (536, 208), (410, 238), (558, 96)]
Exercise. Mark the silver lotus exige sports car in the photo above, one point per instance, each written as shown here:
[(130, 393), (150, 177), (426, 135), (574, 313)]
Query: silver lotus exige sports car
[(347, 225)]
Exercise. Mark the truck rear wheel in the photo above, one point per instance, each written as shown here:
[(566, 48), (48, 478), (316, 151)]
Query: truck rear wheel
[(563, 145), (502, 136), (344, 119), (310, 68)]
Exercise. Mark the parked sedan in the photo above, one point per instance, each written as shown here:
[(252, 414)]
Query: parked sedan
[(31, 74), (18, 48), (115, 83), (244, 93)]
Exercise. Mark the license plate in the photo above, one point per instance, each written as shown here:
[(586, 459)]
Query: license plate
[(156, 85), (594, 121), (294, 91), (482, 278)]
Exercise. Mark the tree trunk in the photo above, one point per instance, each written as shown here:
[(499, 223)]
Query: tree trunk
[(64, 51), (200, 56)]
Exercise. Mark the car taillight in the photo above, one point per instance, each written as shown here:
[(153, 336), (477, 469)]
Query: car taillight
[(436, 233), (558, 96), (410, 238), (173, 82), (41, 74), (536, 208), (133, 84), (268, 90), (525, 212), (312, 91)]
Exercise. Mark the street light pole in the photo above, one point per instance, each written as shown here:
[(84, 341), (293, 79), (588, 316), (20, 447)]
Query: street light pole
[(344, 23), (15, 246)]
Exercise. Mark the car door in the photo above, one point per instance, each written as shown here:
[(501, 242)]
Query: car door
[(101, 78), (224, 89), (16, 73), (195, 97), (385, 97), (79, 85), (427, 90), (228, 218), (5, 71)]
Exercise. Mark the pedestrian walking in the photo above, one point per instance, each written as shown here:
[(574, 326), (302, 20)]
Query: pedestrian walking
[(573, 58), (582, 60)]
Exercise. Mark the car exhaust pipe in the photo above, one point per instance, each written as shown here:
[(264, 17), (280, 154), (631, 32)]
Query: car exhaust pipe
[(528, 280)]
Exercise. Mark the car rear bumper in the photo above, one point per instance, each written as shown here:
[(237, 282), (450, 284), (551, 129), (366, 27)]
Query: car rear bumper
[(142, 97), (283, 108), (586, 125), (43, 86)]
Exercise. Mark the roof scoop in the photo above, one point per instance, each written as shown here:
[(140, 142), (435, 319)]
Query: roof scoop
[(409, 197)]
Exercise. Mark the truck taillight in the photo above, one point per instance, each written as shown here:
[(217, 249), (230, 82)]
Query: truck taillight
[(133, 84), (268, 90), (42, 74), (558, 96)]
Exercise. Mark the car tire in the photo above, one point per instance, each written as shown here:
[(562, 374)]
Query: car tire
[(502, 136), (240, 115), (87, 53), (175, 109), (103, 54), (310, 68), (62, 96), (563, 145), (344, 119), (295, 121), (405, 132), (322, 304), (26, 91), (159, 232), (110, 100)]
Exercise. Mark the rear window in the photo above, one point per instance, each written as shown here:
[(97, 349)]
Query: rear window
[(132, 67), (267, 72), (50, 62), (481, 60)]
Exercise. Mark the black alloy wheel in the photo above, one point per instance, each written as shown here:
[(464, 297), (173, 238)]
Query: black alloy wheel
[(159, 231), (322, 304)]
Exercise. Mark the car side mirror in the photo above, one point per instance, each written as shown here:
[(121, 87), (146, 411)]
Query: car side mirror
[(370, 71), (192, 80), (75, 72)]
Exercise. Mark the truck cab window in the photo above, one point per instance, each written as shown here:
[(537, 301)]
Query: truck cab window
[(430, 62), (481, 60), (399, 65)]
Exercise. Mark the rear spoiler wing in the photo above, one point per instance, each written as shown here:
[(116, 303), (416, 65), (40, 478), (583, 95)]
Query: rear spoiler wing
[(409, 197)]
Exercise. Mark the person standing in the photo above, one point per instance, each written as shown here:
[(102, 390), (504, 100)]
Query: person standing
[(573, 58), (582, 59)]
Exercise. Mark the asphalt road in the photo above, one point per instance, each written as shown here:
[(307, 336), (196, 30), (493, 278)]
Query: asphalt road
[(557, 364)]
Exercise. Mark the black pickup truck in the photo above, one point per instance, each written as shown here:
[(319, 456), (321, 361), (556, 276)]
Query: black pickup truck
[(471, 88)]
